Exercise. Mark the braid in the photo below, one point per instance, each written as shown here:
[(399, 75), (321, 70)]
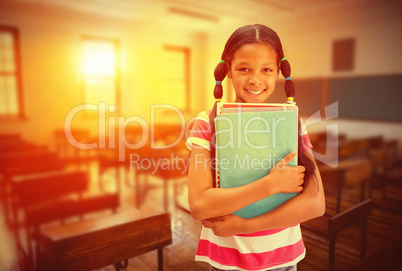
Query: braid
[(302, 159), (285, 70), (220, 74)]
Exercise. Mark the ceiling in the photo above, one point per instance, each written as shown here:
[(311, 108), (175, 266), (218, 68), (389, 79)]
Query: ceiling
[(195, 14)]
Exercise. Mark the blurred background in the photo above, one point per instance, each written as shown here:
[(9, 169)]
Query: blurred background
[(86, 83)]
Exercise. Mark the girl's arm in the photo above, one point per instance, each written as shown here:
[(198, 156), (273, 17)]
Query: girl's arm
[(309, 204), (206, 201)]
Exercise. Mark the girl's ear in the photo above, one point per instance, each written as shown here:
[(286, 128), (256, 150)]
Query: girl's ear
[(278, 71), (229, 71)]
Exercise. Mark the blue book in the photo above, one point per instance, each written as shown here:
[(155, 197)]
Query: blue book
[(251, 139)]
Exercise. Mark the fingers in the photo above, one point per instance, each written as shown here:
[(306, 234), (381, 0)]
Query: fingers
[(289, 157), (281, 164), (215, 224), (301, 169), (299, 189), (300, 182), (207, 224), (210, 221), (214, 219)]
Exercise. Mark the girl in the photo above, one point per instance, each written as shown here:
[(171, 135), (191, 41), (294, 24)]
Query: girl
[(252, 58)]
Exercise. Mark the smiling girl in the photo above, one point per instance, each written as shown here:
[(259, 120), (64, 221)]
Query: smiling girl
[(252, 58)]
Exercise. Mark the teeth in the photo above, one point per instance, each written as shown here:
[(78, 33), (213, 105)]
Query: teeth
[(255, 92)]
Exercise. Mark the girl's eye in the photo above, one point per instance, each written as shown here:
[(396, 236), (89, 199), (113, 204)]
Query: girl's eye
[(267, 70), (243, 69)]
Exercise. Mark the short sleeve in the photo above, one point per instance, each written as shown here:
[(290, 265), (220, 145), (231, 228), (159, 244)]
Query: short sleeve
[(200, 134), (306, 143)]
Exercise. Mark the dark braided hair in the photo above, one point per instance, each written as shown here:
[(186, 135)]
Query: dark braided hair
[(250, 34)]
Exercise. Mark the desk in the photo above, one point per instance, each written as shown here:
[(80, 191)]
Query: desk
[(52, 196), (348, 172), (166, 164), (22, 163), (102, 241)]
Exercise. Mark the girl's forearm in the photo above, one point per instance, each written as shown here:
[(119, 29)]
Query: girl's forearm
[(309, 204), (214, 202), (305, 206), (207, 202), (286, 215), (296, 211)]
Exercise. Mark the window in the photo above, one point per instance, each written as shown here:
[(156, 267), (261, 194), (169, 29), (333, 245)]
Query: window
[(177, 82), (100, 67), (10, 74)]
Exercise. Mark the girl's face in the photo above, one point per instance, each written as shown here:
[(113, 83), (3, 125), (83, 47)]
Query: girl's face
[(254, 72)]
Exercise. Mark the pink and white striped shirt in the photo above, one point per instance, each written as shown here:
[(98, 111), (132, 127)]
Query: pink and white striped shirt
[(258, 251)]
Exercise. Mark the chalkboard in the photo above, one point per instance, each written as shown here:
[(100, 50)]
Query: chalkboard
[(367, 98), (307, 97)]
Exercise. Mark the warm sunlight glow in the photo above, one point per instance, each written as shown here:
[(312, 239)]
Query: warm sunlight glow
[(98, 58)]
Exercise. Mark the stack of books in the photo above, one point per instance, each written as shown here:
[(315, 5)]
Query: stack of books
[(250, 140)]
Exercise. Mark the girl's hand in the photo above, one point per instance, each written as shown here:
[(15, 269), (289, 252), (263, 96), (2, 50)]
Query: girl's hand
[(227, 225), (288, 179)]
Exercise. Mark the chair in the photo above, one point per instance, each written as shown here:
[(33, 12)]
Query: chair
[(332, 226), (72, 153), (392, 176), (348, 173)]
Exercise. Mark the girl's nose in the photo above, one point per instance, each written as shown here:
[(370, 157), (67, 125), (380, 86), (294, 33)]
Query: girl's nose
[(254, 79)]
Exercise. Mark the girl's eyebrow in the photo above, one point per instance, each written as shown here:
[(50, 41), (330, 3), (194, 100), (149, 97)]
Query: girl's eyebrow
[(268, 63), (263, 64), (242, 63)]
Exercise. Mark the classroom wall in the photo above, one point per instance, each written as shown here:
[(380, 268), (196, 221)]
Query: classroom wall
[(50, 41), (307, 42)]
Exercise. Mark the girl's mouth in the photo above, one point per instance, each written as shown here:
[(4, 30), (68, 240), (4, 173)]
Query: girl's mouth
[(255, 92)]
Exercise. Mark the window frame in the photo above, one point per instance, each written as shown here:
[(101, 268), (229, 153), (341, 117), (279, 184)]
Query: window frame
[(117, 70), (20, 115), (187, 81)]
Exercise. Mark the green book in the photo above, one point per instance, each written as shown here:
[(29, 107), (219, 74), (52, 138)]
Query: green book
[(250, 140)]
